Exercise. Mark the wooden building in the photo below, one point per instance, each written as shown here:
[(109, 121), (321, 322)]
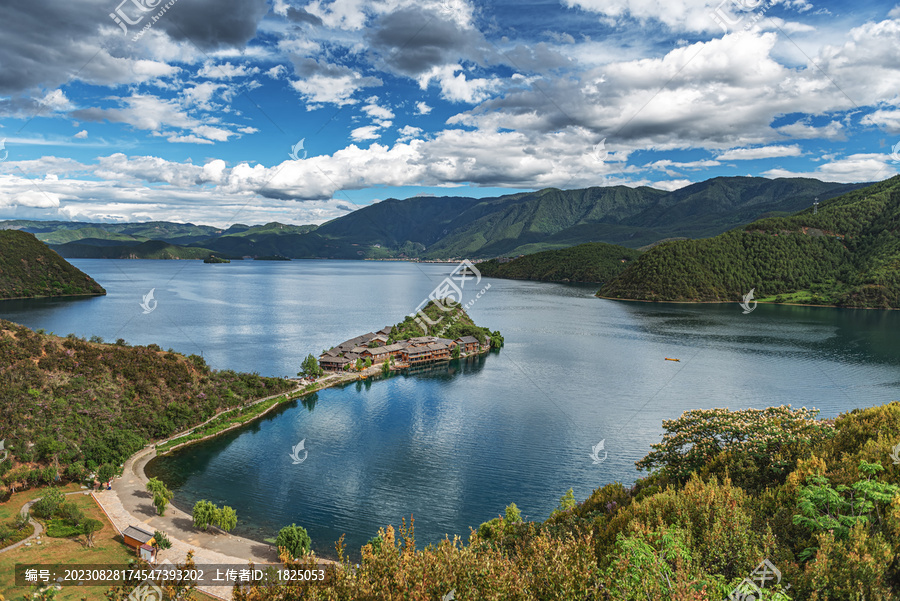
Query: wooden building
[(136, 538)]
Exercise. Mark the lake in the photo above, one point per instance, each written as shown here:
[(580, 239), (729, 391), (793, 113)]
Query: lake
[(453, 446)]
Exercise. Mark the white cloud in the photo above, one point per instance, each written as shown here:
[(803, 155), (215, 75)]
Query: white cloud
[(671, 185), (854, 168), (338, 90), (888, 121), (763, 152), (457, 88), (422, 108), (225, 70), (83, 134), (367, 132)]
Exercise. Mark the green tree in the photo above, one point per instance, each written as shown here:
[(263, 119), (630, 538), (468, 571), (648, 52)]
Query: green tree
[(47, 505), (566, 502), (385, 368), (107, 472), (90, 527), (161, 495), (203, 514), (310, 368), (226, 518), (295, 539)]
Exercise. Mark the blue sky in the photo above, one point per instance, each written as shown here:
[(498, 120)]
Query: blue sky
[(190, 110)]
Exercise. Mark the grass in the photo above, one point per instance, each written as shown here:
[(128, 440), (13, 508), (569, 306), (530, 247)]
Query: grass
[(107, 550), (801, 297)]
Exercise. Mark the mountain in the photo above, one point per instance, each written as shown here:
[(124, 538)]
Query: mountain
[(28, 268), (594, 262), (847, 253), (513, 224)]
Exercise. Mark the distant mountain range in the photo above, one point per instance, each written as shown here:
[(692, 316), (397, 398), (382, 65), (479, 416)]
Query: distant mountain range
[(846, 253), (454, 227), (28, 268)]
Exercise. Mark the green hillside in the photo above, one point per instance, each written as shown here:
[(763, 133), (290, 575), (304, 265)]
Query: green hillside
[(848, 254), (454, 227), (29, 268), (152, 249), (93, 403), (594, 262)]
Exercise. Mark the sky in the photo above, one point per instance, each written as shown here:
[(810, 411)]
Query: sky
[(250, 111)]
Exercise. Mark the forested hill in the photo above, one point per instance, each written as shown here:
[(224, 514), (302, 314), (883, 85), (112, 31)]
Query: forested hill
[(594, 262), (29, 268), (847, 254), (71, 401)]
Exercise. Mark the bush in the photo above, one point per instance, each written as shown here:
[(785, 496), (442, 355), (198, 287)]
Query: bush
[(47, 505), (295, 539), (57, 528), (162, 540), (70, 512)]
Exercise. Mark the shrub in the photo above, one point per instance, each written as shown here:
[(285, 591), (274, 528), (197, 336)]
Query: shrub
[(47, 505), (295, 539), (162, 540)]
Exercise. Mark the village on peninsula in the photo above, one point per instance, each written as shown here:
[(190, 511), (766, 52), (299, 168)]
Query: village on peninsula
[(395, 348)]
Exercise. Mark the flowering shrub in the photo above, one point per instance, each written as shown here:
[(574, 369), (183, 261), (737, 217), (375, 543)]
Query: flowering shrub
[(771, 439)]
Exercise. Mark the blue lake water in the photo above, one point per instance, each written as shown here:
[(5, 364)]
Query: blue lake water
[(453, 446)]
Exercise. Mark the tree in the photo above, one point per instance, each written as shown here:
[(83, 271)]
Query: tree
[(107, 472), (359, 364), (203, 514), (47, 505), (295, 539), (566, 502), (90, 526), (161, 495), (385, 368), (226, 518), (310, 368), (368, 361), (455, 352)]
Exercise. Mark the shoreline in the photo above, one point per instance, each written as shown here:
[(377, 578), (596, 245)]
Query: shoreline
[(688, 302), (104, 293)]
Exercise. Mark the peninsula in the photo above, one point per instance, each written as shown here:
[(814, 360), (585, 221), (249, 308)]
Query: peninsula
[(445, 332)]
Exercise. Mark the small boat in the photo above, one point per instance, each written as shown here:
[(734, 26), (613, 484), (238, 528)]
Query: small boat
[(668, 359)]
